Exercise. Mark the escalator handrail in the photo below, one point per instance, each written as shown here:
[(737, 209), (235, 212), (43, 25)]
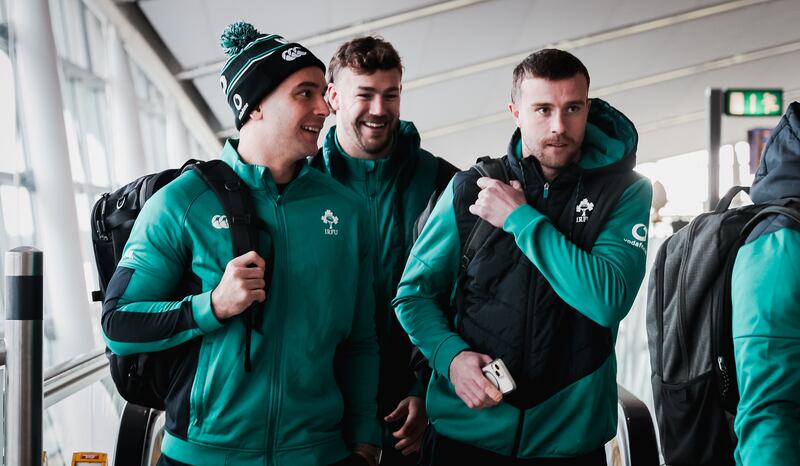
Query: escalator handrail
[(72, 376), (642, 446)]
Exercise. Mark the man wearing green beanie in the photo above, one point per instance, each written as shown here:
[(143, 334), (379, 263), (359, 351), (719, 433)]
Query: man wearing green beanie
[(378, 156), (306, 395)]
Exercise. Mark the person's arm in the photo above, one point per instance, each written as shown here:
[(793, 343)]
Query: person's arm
[(601, 284), (140, 313), (766, 340), (359, 357), (428, 278)]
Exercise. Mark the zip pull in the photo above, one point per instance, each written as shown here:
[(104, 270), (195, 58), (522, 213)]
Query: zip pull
[(546, 190), (726, 379), (721, 364)]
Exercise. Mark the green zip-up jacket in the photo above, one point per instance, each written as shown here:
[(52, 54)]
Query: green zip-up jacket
[(765, 297), (395, 190), (601, 284), (289, 410)]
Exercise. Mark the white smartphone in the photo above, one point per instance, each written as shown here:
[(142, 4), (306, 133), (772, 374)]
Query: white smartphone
[(497, 373)]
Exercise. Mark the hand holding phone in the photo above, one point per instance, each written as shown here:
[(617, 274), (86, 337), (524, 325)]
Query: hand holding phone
[(497, 373)]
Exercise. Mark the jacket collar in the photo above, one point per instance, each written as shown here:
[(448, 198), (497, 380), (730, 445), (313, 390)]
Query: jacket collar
[(257, 177), (405, 145)]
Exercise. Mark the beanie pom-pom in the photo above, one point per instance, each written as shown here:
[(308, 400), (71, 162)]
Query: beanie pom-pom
[(236, 37)]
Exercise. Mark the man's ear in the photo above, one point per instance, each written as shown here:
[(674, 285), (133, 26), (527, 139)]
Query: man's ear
[(333, 97), (514, 112), (257, 114)]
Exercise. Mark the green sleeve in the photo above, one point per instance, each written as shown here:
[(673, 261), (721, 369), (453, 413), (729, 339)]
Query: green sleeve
[(600, 284), (138, 314), (429, 275), (359, 356), (766, 340)]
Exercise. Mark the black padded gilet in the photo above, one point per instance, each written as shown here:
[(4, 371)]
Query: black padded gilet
[(505, 306)]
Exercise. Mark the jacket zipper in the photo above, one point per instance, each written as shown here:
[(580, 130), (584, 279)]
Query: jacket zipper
[(530, 308), (518, 435), (546, 191), (369, 184), (273, 405)]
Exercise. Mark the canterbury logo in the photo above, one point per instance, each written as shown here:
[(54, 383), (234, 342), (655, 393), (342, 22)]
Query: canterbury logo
[(219, 222), (292, 53)]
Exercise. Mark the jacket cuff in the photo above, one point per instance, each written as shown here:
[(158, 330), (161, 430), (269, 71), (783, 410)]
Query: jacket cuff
[(445, 353), (203, 313), (420, 387), (366, 431), (520, 218)]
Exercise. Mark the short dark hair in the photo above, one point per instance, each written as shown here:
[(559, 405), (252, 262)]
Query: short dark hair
[(550, 64), (365, 55)]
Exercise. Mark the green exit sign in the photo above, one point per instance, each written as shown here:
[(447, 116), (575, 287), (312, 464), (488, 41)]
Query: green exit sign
[(754, 102)]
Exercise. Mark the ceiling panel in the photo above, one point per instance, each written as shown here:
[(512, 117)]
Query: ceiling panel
[(191, 28), (492, 29)]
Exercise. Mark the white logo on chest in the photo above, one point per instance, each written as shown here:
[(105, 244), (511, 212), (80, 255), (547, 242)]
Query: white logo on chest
[(583, 209), (330, 220)]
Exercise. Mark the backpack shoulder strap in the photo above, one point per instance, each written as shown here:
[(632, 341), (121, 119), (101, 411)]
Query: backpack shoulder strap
[(793, 213), (244, 225), (317, 160), (492, 168), (445, 171), (234, 195)]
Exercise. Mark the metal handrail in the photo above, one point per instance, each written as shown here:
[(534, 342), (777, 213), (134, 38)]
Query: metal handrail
[(642, 445), (72, 376)]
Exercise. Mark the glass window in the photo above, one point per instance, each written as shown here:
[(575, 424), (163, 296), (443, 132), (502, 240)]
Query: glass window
[(73, 127), (3, 26), (152, 119), (685, 178), (154, 136), (11, 161), (69, 29), (95, 37), (17, 215)]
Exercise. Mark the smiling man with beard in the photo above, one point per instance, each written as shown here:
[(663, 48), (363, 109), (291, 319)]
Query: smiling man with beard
[(288, 403), (545, 292), (378, 157)]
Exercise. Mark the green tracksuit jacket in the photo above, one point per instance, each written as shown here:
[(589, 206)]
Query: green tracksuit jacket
[(395, 190), (289, 410), (600, 284), (766, 312)]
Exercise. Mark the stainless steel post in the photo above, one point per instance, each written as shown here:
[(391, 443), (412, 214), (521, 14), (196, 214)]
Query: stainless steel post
[(714, 106), (23, 271)]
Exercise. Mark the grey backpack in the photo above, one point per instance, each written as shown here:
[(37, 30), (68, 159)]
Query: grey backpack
[(689, 332)]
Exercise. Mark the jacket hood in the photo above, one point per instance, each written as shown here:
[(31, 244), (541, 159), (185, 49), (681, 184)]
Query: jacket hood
[(778, 174), (609, 144)]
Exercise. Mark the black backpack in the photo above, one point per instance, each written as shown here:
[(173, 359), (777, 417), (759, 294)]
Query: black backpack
[(145, 378), (445, 171), (690, 336)]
